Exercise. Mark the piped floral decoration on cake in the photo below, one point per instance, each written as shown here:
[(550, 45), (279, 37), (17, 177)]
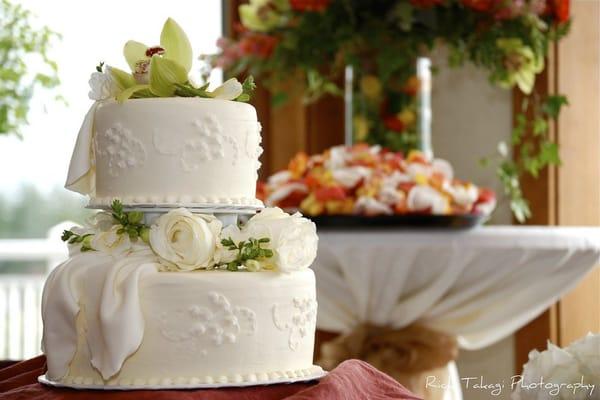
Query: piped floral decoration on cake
[(161, 71), (184, 241)]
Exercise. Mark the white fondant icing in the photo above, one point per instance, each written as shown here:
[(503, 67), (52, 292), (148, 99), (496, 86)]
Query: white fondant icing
[(298, 320), (257, 349), (121, 149), (192, 147), (106, 288)]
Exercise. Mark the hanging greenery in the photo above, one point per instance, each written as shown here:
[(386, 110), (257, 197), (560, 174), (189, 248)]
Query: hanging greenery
[(279, 40)]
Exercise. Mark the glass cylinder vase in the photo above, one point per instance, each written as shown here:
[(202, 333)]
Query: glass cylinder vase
[(392, 112)]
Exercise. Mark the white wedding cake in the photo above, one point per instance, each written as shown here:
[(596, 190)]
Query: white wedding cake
[(165, 288)]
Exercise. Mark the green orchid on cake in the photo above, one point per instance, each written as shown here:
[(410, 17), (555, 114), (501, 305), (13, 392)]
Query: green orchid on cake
[(161, 71)]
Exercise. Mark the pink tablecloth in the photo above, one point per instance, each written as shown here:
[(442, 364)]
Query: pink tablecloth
[(351, 380)]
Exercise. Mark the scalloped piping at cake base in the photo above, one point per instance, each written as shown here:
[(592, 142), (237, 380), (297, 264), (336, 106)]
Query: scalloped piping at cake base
[(262, 378), (182, 201)]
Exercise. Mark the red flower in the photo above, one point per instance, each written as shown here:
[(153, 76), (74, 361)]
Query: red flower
[(393, 123), (480, 5), (309, 5), (560, 9), (257, 44), (330, 193), (425, 3)]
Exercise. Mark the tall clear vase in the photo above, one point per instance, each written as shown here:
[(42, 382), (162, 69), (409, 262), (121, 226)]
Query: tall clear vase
[(396, 115)]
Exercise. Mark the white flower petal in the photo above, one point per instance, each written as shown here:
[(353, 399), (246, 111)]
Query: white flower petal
[(229, 90)]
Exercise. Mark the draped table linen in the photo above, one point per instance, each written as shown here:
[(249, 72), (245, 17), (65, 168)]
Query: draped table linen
[(480, 285)]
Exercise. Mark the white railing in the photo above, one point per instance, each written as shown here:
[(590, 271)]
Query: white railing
[(21, 294)]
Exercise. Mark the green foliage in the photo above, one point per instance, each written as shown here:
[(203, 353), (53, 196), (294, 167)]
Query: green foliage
[(248, 87), (131, 222), (25, 64), (246, 250), (74, 238), (382, 39), (537, 150)]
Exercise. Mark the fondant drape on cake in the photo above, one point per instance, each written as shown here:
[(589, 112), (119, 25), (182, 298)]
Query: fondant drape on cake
[(81, 177), (108, 289)]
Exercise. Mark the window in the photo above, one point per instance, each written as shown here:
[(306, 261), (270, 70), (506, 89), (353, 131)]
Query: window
[(33, 170)]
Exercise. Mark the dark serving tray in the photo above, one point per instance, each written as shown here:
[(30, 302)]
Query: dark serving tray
[(464, 221)]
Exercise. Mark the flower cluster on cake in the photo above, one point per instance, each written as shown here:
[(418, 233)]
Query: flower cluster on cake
[(369, 180), (165, 264)]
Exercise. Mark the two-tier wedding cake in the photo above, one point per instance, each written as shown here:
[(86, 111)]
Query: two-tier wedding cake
[(165, 288)]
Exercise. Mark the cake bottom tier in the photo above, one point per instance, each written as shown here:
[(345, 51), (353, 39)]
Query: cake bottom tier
[(214, 327)]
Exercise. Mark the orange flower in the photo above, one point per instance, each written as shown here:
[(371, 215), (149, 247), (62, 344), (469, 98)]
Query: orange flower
[(325, 194), (311, 206), (412, 85), (297, 165), (340, 207)]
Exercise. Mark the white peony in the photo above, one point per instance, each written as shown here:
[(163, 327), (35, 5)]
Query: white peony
[(185, 241), (111, 242), (293, 238), (102, 86), (571, 373)]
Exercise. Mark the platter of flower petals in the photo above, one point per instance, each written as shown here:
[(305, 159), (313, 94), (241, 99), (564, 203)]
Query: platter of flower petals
[(366, 185)]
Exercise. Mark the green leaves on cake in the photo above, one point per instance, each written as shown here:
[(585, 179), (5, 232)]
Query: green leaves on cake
[(184, 241), (82, 239), (161, 71), (249, 254), (115, 232)]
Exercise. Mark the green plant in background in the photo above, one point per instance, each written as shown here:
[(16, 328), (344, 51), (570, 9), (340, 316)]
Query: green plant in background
[(381, 39), (25, 64)]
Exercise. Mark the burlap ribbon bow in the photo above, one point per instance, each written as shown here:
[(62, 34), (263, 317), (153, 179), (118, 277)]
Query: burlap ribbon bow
[(408, 354)]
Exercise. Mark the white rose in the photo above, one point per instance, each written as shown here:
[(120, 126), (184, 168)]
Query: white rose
[(111, 242), (184, 240), (102, 86), (293, 238)]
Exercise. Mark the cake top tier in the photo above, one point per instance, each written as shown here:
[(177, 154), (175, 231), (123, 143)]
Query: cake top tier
[(153, 138)]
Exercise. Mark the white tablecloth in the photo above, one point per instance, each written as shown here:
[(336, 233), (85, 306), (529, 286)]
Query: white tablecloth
[(481, 284)]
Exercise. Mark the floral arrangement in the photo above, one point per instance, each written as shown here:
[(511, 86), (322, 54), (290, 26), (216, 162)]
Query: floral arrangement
[(368, 180), (183, 241), (314, 40), (161, 71), (569, 373), (27, 64)]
